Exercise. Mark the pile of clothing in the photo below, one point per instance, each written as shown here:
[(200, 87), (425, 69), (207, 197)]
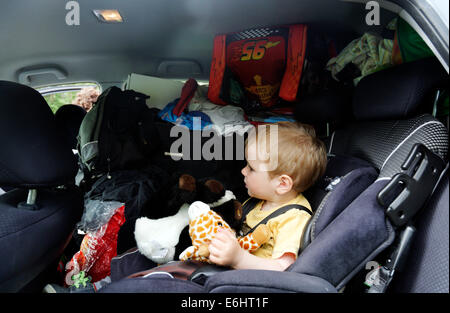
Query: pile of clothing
[(196, 112)]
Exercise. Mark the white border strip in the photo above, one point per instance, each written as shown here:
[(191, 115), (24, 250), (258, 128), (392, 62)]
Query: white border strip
[(409, 136), (155, 273), (382, 178), (118, 257), (331, 143)]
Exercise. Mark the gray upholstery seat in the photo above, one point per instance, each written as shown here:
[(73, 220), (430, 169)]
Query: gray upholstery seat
[(34, 226)]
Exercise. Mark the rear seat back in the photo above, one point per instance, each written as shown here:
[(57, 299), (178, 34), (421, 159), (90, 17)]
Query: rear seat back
[(387, 106), (349, 227)]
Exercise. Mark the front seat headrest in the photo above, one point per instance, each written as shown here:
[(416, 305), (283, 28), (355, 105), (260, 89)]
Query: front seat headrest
[(33, 152), (397, 92), (68, 119)]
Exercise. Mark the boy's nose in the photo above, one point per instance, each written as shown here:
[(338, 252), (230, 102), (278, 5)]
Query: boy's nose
[(243, 171)]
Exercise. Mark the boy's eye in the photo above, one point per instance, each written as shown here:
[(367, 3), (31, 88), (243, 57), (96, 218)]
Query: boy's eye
[(249, 167)]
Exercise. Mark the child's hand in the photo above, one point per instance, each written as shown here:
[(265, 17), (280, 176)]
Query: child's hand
[(225, 249)]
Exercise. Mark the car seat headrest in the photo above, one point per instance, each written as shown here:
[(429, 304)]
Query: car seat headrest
[(33, 153), (328, 106), (68, 119), (397, 92)]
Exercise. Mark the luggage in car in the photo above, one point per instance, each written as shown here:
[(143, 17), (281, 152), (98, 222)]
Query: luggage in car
[(269, 68), (139, 190), (116, 133), (255, 67)]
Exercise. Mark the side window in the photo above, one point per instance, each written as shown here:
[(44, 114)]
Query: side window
[(82, 94)]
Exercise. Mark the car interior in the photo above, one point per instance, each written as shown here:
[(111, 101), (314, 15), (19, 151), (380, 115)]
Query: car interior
[(369, 76)]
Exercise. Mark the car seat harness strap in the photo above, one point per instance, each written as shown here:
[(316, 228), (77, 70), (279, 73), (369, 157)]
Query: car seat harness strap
[(251, 203)]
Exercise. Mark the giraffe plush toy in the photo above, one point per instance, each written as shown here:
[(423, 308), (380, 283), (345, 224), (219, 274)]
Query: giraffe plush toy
[(204, 224)]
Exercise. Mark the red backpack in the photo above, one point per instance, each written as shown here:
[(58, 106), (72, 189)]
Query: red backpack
[(257, 68)]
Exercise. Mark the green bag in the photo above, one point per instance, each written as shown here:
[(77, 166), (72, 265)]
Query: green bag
[(412, 47), (111, 135)]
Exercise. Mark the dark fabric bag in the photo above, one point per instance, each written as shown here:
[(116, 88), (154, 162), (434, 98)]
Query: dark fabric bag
[(138, 190), (115, 133), (128, 263)]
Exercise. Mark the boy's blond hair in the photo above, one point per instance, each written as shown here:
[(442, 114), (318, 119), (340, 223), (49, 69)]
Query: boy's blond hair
[(299, 153)]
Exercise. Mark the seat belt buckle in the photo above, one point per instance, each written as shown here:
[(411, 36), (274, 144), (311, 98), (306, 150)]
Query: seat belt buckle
[(410, 188)]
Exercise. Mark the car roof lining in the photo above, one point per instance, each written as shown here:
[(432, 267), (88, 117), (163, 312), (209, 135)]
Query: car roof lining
[(153, 32)]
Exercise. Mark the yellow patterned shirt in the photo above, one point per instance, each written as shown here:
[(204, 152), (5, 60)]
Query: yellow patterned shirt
[(286, 229)]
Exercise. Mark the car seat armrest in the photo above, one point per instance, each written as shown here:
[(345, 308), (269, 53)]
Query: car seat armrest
[(266, 281), (201, 274)]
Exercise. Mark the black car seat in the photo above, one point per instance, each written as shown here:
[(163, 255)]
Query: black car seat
[(37, 217), (68, 119), (386, 130), (347, 232), (350, 227)]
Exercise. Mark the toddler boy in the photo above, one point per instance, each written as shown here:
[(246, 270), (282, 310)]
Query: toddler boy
[(294, 160)]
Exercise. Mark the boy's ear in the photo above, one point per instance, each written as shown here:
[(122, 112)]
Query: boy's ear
[(285, 184)]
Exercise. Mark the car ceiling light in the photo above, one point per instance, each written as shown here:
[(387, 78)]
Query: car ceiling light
[(108, 16)]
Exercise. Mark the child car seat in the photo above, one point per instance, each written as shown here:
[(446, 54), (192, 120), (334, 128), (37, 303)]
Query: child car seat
[(350, 227), (344, 237)]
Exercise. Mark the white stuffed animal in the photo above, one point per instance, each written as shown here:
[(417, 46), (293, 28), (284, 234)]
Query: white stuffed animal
[(154, 241)]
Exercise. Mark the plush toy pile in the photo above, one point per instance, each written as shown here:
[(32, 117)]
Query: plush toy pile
[(199, 201), (157, 238)]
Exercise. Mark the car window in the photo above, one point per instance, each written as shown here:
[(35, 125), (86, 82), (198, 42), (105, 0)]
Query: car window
[(82, 94)]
